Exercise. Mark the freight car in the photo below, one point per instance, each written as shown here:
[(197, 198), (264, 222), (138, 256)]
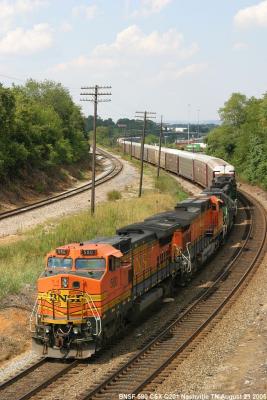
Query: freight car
[(199, 168), (89, 291)]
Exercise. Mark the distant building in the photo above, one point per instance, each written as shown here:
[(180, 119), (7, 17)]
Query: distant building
[(180, 129)]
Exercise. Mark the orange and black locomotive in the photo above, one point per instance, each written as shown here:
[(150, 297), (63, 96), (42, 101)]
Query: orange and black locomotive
[(89, 291)]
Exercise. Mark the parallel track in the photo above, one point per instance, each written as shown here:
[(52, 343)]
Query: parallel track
[(43, 372), (147, 367), (116, 167), (32, 380), (140, 373)]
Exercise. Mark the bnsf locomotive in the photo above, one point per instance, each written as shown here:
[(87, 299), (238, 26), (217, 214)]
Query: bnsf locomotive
[(89, 291)]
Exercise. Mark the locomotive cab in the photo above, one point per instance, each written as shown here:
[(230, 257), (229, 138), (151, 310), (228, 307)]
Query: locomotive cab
[(90, 291), (71, 294)]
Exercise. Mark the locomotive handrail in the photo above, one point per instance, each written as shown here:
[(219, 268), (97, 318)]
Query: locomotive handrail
[(95, 313), (34, 314)]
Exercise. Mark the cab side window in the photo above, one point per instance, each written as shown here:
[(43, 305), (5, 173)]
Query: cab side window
[(113, 263)]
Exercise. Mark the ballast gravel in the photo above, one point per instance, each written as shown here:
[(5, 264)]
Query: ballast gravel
[(127, 181), (16, 225), (232, 359), (72, 385), (13, 367)]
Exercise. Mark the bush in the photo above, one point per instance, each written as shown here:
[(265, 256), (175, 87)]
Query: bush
[(21, 263), (242, 137), (114, 195), (40, 127)]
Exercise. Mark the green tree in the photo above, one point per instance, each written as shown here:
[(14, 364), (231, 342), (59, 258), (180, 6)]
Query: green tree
[(40, 127), (242, 137), (257, 161), (152, 139), (233, 112)]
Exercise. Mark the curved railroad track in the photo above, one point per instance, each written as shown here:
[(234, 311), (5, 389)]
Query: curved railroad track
[(114, 170), (145, 370), (32, 380), (156, 359)]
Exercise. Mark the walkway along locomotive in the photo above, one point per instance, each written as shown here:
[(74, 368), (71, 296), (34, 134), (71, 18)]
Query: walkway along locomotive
[(89, 291)]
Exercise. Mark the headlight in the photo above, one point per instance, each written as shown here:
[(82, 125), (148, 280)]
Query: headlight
[(47, 329), (65, 282), (75, 330)]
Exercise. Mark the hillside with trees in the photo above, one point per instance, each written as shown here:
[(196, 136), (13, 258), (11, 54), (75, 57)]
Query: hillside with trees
[(242, 137), (109, 131), (40, 129)]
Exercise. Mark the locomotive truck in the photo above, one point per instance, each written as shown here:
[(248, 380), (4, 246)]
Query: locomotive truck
[(89, 291)]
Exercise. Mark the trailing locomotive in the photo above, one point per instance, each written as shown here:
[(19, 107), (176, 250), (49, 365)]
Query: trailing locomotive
[(89, 291)]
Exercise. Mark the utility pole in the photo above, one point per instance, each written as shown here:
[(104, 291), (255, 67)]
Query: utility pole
[(123, 132), (198, 123), (94, 92), (188, 126), (131, 145), (130, 131), (160, 143), (145, 115)]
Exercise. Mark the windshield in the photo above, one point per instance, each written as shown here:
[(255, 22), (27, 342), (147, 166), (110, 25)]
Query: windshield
[(57, 262), (94, 266)]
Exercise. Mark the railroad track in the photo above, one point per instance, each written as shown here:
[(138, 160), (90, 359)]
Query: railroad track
[(148, 368), (31, 381), (116, 167), (157, 358)]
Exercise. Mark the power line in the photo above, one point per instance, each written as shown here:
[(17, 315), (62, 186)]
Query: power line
[(94, 92), (12, 77), (146, 115)]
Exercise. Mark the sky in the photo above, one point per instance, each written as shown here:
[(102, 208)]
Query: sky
[(172, 57)]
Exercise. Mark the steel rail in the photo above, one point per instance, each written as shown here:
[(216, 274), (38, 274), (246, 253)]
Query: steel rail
[(17, 388), (117, 167), (216, 311), (102, 390), (21, 374), (47, 382), (108, 386)]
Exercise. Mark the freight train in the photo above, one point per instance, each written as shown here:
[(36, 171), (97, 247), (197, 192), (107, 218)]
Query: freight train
[(90, 291), (199, 168)]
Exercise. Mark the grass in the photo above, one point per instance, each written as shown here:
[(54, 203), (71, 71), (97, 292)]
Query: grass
[(114, 195), (21, 262), (165, 183)]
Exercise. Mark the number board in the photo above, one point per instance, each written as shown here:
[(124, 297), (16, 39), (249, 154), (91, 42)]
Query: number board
[(89, 252)]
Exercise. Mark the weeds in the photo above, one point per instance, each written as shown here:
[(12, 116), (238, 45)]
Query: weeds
[(167, 184), (114, 195), (22, 262)]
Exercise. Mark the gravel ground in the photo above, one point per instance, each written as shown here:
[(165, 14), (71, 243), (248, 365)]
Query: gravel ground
[(215, 363), (232, 359), (18, 363), (127, 181), (15, 225), (90, 375)]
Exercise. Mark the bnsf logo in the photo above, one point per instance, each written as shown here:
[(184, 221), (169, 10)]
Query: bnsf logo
[(65, 297), (61, 297)]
